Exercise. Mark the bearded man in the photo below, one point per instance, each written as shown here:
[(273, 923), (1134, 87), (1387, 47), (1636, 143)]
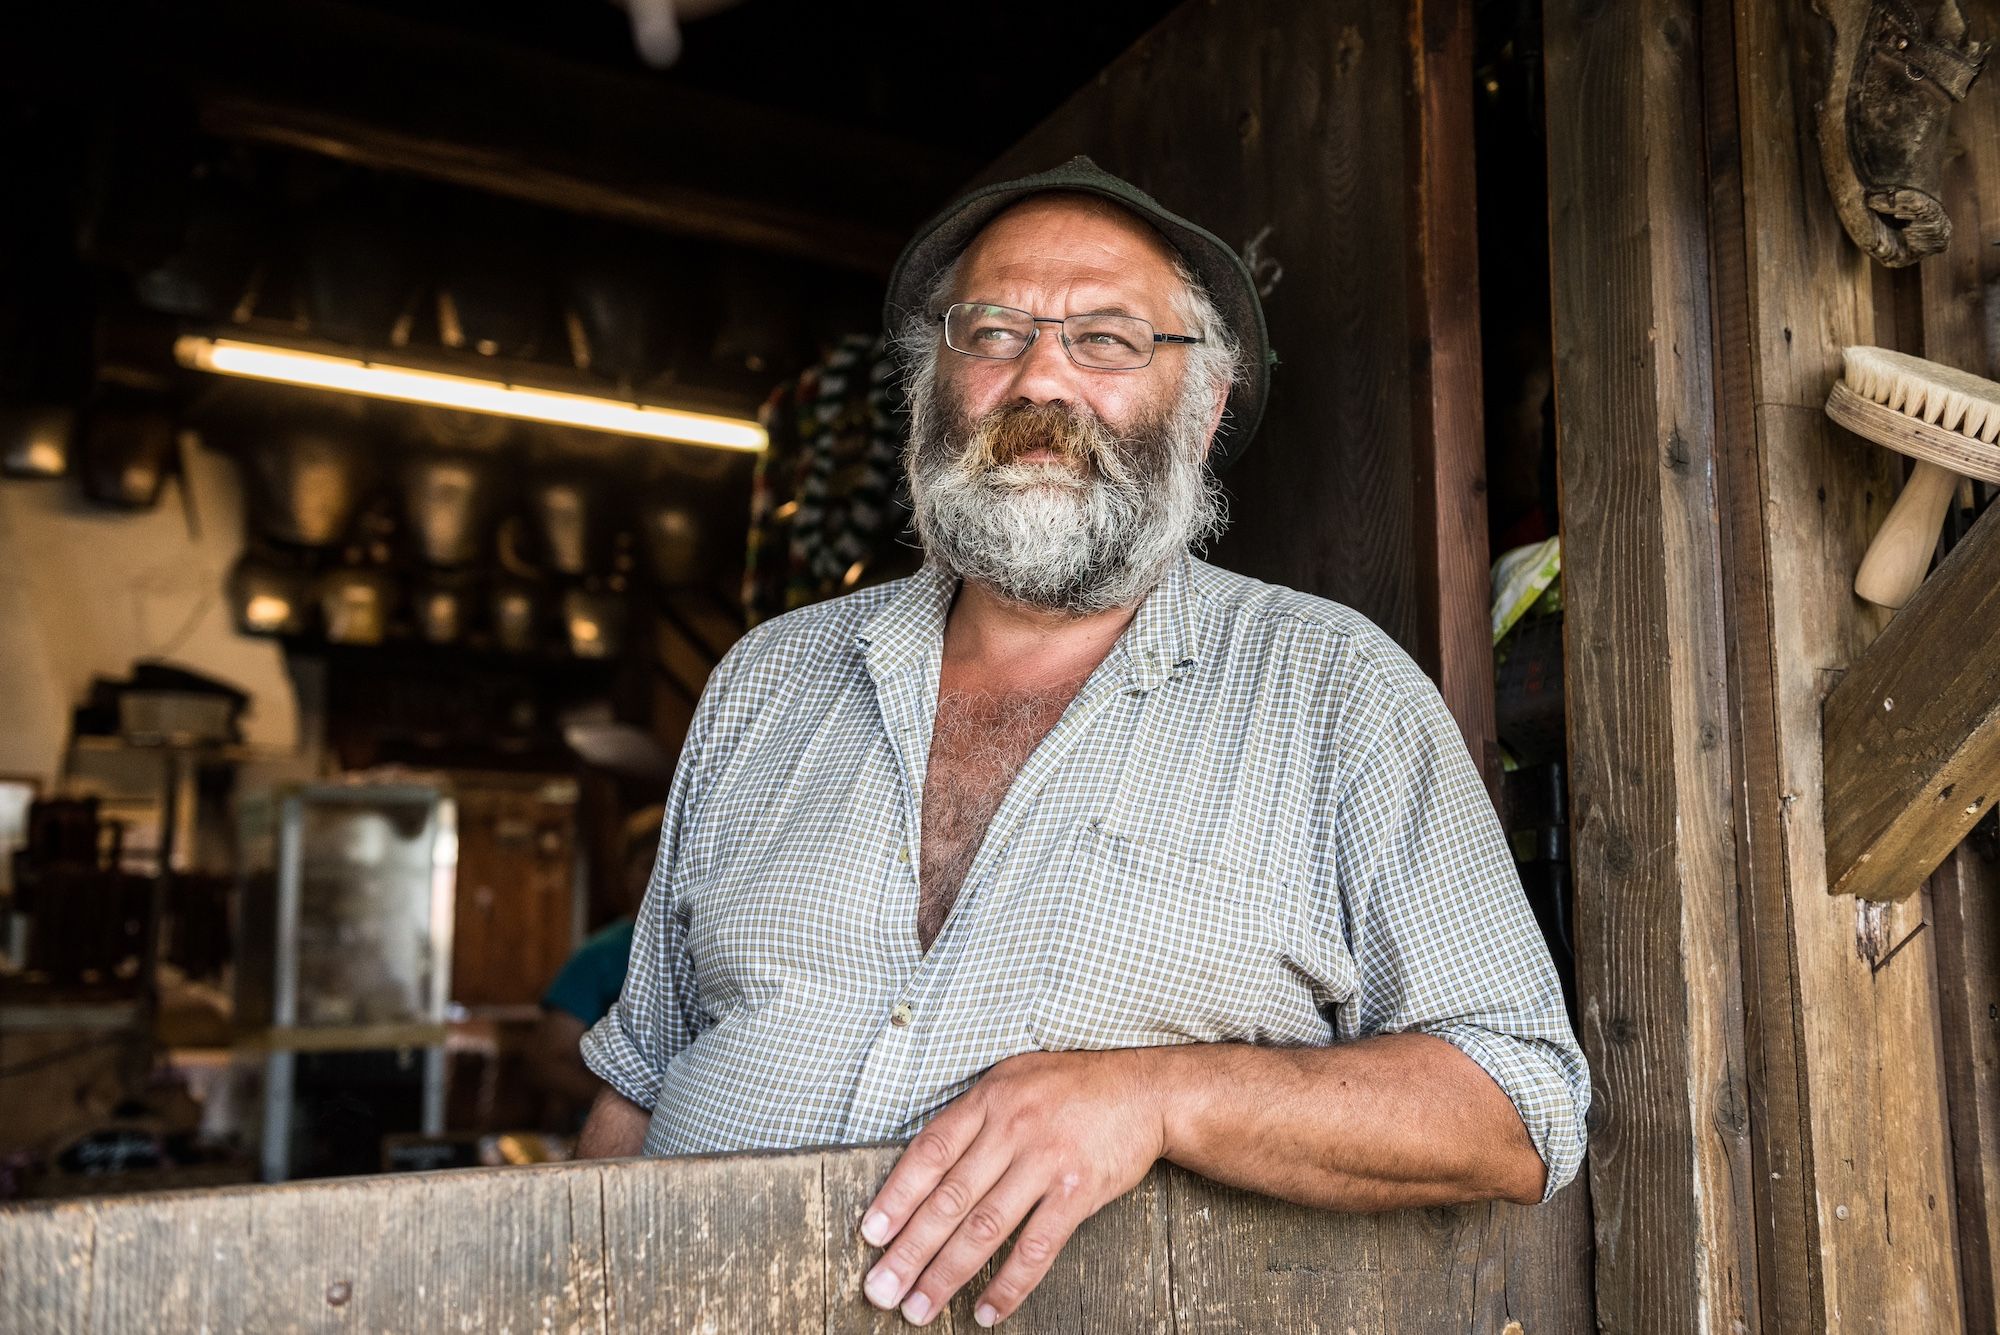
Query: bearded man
[(1072, 852)]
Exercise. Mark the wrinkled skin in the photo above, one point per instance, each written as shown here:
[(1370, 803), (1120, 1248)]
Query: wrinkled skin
[(1890, 73)]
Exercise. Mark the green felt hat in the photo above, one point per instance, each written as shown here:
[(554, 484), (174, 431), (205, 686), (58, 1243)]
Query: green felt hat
[(942, 239)]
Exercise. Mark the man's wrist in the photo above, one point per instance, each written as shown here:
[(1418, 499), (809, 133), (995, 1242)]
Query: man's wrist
[(1172, 1086)]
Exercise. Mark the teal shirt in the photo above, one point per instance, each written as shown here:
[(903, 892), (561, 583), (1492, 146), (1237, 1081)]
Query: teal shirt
[(591, 979)]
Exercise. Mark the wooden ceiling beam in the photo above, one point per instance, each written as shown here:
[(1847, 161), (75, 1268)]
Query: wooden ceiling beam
[(1912, 731), (404, 96)]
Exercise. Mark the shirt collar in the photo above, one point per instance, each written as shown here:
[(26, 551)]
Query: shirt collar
[(1159, 644)]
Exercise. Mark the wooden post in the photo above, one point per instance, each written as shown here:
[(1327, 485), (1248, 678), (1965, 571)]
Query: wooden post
[(1854, 1160), (1645, 663), (1961, 327), (1447, 435)]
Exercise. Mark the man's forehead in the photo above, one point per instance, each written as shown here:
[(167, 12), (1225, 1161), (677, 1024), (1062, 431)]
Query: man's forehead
[(1068, 240)]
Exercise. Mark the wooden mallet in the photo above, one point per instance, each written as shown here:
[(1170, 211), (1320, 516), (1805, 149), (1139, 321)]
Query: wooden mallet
[(1948, 421)]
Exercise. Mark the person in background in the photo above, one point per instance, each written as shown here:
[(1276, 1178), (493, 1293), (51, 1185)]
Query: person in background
[(590, 980)]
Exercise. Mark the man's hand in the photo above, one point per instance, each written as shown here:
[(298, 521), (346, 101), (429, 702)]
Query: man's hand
[(1047, 1137)]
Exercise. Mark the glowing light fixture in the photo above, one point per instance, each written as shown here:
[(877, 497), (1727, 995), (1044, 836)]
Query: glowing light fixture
[(404, 384)]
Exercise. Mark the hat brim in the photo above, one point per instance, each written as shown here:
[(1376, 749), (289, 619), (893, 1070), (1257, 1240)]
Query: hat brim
[(945, 237)]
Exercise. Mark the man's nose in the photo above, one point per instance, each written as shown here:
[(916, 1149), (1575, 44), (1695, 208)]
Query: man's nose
[(1044, 373)]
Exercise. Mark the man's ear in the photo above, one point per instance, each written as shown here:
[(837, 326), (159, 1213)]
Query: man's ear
[(1215, 422)]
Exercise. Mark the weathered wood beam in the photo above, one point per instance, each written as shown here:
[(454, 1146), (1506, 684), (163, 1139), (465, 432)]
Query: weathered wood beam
[(501, 168), (1961, 327), (1913, 730), (1966, 912), (401, 95), (728, 1243), (1848, 1106), (1644, 666), (1447, 433)]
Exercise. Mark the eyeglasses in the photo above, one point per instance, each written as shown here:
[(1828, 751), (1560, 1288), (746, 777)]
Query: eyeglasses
[(1100, 342)]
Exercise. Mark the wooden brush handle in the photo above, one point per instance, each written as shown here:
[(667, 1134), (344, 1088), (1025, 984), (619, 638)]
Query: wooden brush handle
[(1901, 553)]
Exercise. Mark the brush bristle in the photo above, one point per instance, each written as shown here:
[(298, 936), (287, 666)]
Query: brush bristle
[(1931, 392)]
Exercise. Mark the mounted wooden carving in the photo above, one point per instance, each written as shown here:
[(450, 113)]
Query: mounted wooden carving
[(1889, 75)]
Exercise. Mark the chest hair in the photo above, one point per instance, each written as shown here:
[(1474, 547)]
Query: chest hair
[(978, 745)]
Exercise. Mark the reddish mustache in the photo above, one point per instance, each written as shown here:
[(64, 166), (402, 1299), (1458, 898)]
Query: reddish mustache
[(1014, 432)]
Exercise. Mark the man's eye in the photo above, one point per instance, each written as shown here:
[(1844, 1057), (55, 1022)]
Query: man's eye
[(1104, 340), (995, 334)]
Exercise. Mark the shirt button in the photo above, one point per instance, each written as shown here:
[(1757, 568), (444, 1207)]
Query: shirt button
[(903, 853), (901, 1015)]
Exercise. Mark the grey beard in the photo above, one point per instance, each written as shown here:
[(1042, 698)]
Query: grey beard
[(1042, 534)]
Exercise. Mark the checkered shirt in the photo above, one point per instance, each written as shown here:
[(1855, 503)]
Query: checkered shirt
[(1255, 823)]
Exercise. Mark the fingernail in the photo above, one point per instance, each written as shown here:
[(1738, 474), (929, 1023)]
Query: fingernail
[(984, 1314), (883, 1288), (917, 1310), (875, 1228)]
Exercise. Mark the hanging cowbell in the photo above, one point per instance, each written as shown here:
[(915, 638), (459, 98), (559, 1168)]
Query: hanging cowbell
[(568, 512), (35, 439), (595, 622), (306, 479), (675, 548), (128, 447), (269, 600), (448, 501), (354, 605), (442, 606), (516, 616)]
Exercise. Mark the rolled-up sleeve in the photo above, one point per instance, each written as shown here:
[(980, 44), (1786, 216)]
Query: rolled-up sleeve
[(1442, 937), (654, 1016)]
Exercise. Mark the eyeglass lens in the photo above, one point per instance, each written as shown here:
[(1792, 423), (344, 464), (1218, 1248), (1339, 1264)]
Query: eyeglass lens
[(1105, 342)]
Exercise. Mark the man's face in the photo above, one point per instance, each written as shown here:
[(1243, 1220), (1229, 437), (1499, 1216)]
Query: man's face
[(1057, 255), (1056, 484)]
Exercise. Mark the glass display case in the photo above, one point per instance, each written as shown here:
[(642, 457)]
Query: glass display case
[(346, 931)]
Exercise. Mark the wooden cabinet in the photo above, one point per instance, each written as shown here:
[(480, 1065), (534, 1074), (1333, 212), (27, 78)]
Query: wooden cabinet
[(516, 916)]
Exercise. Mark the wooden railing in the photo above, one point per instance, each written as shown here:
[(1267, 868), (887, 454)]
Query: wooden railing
[(748, 1243)]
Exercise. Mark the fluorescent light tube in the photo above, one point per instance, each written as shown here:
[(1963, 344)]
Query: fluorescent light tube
[(350, 375)]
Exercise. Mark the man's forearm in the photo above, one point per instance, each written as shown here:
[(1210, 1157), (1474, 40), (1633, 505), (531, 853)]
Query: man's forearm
[(1386, 1123), (615, 1129)]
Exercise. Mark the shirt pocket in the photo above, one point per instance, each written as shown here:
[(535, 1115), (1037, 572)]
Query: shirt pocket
[(1149, 946)]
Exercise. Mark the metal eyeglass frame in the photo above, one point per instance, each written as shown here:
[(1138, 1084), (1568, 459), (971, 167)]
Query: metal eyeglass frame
[(1034, 333)]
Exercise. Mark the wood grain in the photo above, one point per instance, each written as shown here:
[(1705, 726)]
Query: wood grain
[(1965, 900), (1646, 667), (1280, 129), (1960, 291), (1786, 1239), (513, 918), (397, 94), (1872, 1222), (1447, 433), (1912, 739), (725, 1243)]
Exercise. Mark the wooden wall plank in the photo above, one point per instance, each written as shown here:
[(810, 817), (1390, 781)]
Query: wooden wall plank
[(1961, 327), (1280, 129), (1965, 897), (1786, 1238), (1866, 1072), (1645, 663), (1447, 433)]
